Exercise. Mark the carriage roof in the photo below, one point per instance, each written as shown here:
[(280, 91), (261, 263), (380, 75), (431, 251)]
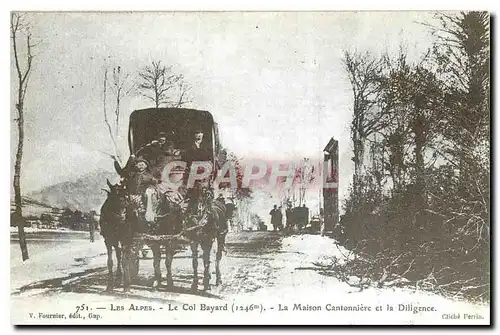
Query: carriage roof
[(179, 124), (159, 112)]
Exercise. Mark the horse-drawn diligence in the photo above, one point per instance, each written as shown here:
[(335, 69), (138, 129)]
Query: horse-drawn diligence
[(146, 208)]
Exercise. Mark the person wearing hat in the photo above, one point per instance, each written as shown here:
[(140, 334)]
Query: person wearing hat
[(274, 217), (142, 178), (162, 138), (161, 141), (155, 153), (197, 151), (151, 150), (160, 145), (137, 184), (166, 154)]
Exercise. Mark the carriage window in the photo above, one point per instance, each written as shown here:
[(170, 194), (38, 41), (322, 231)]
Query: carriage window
[(179, 126)]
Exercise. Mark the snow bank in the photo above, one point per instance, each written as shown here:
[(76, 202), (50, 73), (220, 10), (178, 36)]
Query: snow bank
[(30, 230), (62, 260), (292, 291), (299, 284), (317, 248)]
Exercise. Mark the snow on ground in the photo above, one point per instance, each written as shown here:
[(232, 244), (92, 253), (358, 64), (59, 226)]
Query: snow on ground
[(61, 260), (316, 248), (268, 279), (29, 230), (299, 283)]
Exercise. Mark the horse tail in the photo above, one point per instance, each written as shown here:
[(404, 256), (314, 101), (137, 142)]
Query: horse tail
[(149, 215)]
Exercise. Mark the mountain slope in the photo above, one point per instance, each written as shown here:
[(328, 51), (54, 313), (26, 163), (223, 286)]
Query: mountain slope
[(84, 193)]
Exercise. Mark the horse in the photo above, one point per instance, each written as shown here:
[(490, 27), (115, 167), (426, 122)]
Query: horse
[(117, 233), (208, 220), (163, 216), (204, 222)]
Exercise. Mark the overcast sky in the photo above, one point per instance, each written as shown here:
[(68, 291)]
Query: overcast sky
[(274, 81)]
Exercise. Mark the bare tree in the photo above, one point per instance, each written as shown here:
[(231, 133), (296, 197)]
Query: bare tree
[(120, 86), (363, 71), (433, 229), (183, 89), (305, 178), (106, 118), (20, 32), (159, 84)]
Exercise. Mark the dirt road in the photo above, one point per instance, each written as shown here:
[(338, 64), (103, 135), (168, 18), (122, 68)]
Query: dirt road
[(246, 266), (268, 277)]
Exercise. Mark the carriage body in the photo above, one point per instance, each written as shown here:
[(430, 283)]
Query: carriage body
[(179, 124), (164, 207)]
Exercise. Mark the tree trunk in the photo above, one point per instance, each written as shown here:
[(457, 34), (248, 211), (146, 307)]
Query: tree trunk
[(419, 196), (358, 163), (18, 214), (157, 97), (91, 231), (21, 92)]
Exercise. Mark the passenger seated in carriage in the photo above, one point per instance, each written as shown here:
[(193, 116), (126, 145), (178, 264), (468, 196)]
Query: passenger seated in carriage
[(142, 179), (162, 151), (154, 149), (145, 172), (158, 153), (166, 155), (196, 151), (138, 184), (145, 153)]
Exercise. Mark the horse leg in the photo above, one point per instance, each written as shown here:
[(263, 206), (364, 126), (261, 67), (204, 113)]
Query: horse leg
[(221, 241), (206, 246), (169, 256), (155, 247), (109, 249), (126, 267), (194, 256), (149, 215), (119, 261)]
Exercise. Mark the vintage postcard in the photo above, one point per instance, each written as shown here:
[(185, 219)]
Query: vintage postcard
[(250, 168)]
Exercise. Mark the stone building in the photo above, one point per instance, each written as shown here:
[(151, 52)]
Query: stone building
[(330, 185)]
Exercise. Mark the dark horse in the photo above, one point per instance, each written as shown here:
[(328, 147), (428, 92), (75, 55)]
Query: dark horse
[(204, 222), (164, 218), (208, 220), (117, 231)]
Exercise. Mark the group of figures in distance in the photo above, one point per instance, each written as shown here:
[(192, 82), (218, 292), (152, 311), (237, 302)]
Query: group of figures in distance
[(140, 209)]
